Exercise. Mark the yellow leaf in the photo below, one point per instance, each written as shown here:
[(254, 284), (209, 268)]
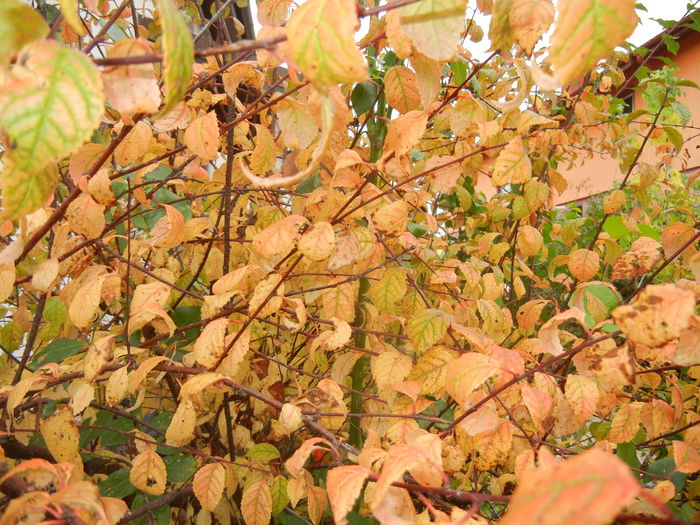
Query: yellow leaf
[(202, 136), (86, 217), (344, 485), (658, 314), (401, 89), (625, 424), (317, 243), (295, 464), (584, 264), (585, 32), (117, 386), (178, 51), (169, 231), (431, 369), (549, 333), (52, 88), (529, 20), (530, 240), (262, 292), (434, 26), (317, 501), (148, 473), (279, 238), (44, 275), (131, 88), (136, 144), (321, 40), (86, 302), (181, 428), (209, 346), (256, 504), (583, 394), (500, 32), (100, 188), (339, 301), (390, 367), (405, 131), (429, 75), (82, 394), (467, 373), (7, 280), (386, 293), (391, 218), (20, 24), (426, 328), (98, 355), (208, 484), (69, 9), (513, 165), (197, 383), (61, 434), (299, 129)]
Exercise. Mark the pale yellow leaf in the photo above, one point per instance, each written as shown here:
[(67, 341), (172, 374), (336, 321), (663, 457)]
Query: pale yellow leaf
[(181, 428), (209, 347), (317, 243), (434, 26), (583, 394), (586, 31), (657, 315), (321, 40), (529, 20), (61, 434), (131, 88), (148, 473), (513, 165)]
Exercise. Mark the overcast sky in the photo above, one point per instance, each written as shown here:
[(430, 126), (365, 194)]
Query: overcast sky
[(666, 9)]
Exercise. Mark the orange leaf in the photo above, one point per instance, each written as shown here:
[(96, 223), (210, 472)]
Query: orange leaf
[(344, 485), (590, 488), (208, 485)]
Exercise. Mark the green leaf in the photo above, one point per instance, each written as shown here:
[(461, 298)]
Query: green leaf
[(459, 71), (117, 485), (426, 328), (50, 104), (178, 54), (627, 452), (363, 96), (664, 467), (615, 227), (674, 137), (19, 25), (180, 467), (56, 351), (278, 492), (263, 452)]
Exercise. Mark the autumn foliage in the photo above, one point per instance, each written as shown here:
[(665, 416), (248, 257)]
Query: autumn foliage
[(320, 276)]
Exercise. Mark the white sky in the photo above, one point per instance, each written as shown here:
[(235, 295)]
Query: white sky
[(647, 29)]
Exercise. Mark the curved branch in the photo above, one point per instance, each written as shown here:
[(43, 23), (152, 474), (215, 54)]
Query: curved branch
[(327, 119)]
